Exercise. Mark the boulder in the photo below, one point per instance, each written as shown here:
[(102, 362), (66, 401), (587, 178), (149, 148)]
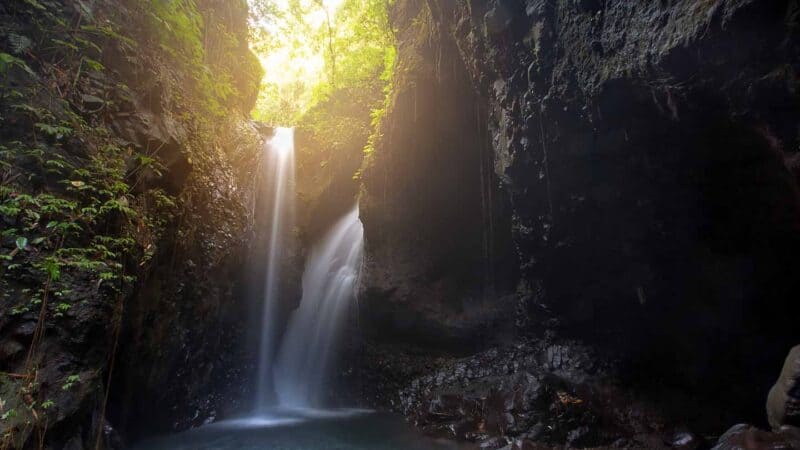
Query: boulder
[(783, 401)]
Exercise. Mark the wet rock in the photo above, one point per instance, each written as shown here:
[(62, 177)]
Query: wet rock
[(526, 444), (684, 439), (579, 436), (510, 393), (92, 102), (493, 443), (747, 437), (534, 432), (113, 440), (497, 20), (10, 349), (783, 401), (75, 443), (589, 5), (447, 406)]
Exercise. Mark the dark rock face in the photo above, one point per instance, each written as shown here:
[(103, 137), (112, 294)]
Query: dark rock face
[(329, 149), (647, 154), (647, 171), (438, 248), (183, 339), (500, 393), (551, 393), (187, 324), (326, 189), (141, 339)]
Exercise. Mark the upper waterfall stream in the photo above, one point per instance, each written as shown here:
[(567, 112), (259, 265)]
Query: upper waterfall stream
[(279, 170)]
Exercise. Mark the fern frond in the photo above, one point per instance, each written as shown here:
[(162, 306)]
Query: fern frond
[(19, 43)]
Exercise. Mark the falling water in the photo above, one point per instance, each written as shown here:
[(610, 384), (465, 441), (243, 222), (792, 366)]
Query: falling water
[(279, 187), (329, 284)]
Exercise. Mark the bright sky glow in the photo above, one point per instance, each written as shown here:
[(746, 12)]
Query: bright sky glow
[(284, 66), (290, 63)]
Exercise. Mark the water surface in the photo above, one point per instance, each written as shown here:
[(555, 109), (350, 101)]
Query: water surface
[(303, 430)]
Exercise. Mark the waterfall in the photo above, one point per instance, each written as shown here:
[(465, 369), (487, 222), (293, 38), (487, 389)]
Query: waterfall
[(296, 372), (279, 190), (329, 287)]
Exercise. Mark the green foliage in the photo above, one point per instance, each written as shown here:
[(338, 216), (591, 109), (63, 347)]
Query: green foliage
[(10, 414), (83, 209), (55, 131), (70, 381), (352, 46), (51, 267), (222, 77), (180, 27), (107, 31), (66, 183), (377, 114), (8, 62)]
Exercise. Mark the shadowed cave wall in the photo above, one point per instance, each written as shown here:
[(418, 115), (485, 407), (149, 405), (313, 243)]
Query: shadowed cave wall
[(643, 177)]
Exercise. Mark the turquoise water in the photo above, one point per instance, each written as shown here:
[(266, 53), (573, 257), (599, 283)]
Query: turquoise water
[(303, 430)]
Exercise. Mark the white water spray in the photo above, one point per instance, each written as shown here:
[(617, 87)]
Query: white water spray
[(279, 189), (329, 287)]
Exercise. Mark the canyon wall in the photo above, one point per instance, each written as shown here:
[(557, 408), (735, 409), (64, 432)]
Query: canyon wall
[(439, 270), (128, 164), (646, 155)]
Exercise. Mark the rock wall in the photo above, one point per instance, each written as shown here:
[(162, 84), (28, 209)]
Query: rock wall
[(647, 155), (183, 337), (329, 143), (439, 266), (127, 165)]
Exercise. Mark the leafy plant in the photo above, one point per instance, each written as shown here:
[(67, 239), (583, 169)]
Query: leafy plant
[(70, 381), (19, 43), (10, 414), (7, 62), (62, 308)]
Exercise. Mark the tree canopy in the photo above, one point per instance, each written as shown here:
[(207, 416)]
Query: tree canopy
[(312, 48)]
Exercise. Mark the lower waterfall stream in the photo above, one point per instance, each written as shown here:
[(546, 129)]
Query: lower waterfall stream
[(329, 285)]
